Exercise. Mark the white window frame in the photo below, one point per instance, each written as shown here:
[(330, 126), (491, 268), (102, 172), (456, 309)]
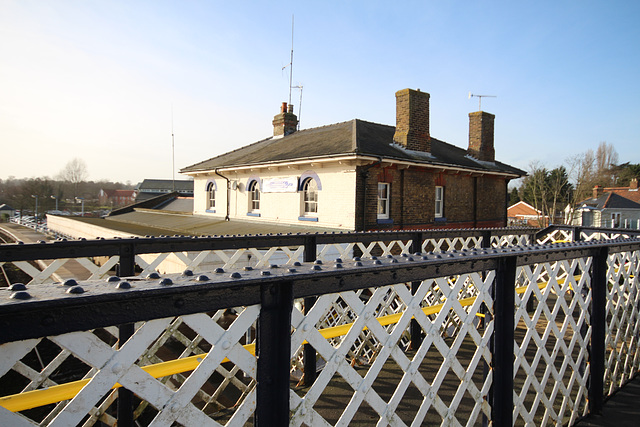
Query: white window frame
[(439, 201), (211, 196), (383, 200), (254, 196), (310, 197), (616, 216)]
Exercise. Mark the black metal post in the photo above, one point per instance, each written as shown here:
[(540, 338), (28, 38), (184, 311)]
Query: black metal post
[(273, 350), (126, 267), (414, 327), (598, 327), (309, 353), (503, 338)]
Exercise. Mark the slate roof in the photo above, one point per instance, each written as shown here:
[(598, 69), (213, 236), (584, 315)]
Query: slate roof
[(355, 137), (611, 201)]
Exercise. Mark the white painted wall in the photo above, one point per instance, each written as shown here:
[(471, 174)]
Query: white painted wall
[(336, 200)]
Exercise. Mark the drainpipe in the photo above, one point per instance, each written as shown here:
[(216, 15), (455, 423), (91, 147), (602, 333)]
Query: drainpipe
[(226, 218), (365, 175)]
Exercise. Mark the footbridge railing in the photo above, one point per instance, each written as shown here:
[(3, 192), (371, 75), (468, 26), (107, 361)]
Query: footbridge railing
[(393, 335)]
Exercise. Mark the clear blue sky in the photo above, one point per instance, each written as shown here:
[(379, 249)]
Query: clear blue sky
[(99, 79)]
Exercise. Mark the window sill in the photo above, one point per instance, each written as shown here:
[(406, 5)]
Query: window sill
[(385, 221), (308, 218), (210, 211), (253, 214)]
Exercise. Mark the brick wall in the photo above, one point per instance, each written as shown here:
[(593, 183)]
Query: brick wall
[(412, 204)]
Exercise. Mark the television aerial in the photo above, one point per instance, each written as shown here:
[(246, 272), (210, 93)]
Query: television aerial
[(480, 99)]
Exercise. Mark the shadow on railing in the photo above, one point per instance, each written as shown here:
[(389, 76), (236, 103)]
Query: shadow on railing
[(400, 328)]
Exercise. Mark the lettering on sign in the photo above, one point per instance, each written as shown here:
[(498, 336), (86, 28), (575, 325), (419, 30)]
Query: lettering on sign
[(280, 185)]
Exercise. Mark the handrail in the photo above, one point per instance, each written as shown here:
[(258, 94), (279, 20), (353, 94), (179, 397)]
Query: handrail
[(35, 398)]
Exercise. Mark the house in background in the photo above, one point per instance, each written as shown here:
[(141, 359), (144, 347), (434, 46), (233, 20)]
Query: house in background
[(116, 198), (6, 211), (523, 214), (359, 175), (611, 207), (150, 188)]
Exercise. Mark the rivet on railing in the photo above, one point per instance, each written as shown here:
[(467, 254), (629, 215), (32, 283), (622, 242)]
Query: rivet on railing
[(166, 281), (394, 261), (22, 295), (273, 266), (123, 285), (297, 264), (70, 282), (18, 287), (338, 265), (316, 268), (153, 275), (374, 258), (356, 258), (75, 290), (248, 268), (204, 277), (265, 273), (235, 275), (318, 262), (358, 264), (292, 270), (113, 279), (410, 259), (338, 260), (377, 262), (187, 272)]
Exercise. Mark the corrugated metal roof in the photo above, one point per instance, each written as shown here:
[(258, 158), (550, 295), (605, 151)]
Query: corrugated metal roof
[(355, 137)]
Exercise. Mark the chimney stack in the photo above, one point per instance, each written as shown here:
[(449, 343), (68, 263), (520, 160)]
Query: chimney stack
[(285, 123), (481, 136), (633, 185), (597, 191), (412, 120)]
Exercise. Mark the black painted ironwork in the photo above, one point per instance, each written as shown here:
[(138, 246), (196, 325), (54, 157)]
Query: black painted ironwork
[(52, 311)]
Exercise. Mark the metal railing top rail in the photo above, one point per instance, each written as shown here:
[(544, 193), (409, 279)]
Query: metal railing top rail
[(54, 309), (578, 228), (106, 247)]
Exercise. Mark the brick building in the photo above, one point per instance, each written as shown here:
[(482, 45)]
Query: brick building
[(358, 175)]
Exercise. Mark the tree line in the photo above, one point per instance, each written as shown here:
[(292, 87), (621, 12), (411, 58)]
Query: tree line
[(550, 190), (64, 191)]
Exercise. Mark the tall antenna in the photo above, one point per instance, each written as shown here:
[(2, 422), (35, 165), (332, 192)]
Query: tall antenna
[(291, 86), (291, 63), (480, 99), (173, 153)]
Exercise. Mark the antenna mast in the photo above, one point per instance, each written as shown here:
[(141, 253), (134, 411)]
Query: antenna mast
[(173, 154), (480, 99), (291, 63)]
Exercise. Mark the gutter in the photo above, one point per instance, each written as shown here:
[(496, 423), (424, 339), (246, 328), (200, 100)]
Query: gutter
[(365, 175), (226, 218)]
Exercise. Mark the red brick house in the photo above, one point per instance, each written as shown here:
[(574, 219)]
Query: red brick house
[(116, 197), (359, 175)]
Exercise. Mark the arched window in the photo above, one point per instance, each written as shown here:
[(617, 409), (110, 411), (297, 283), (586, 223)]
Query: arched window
[(254, 196), (310, 197), (211, 196)]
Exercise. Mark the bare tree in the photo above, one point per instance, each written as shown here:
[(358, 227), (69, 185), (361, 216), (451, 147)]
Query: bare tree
[(75, 172)]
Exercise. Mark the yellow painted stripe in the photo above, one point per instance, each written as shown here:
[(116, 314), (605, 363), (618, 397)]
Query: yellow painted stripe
[(35, 398)]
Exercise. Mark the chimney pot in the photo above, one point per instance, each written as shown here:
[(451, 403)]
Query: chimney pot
[(285, 122)]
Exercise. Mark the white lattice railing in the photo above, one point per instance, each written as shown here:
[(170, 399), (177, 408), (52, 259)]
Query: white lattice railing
[(201, 368)]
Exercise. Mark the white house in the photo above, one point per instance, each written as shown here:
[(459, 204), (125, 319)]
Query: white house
[(359, 175)]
